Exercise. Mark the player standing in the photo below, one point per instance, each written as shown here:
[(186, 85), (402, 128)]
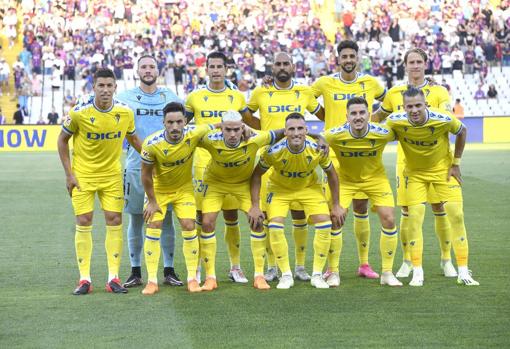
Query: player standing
[(423, 134), (274, 103), (436, 96), (98, 127), (147, 102), (206, 105), (336, 90)]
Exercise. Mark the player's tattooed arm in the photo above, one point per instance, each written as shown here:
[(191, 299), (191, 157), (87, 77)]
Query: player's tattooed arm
[(255, 215), (148, 185), (379, 116), (63, 152)]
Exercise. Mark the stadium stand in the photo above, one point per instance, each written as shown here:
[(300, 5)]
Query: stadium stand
[(66, 41)]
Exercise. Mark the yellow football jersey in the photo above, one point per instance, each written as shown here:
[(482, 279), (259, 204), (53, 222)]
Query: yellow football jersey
[(206, 106), (274, 103), (172, 161), (426, 147), (233, 165), (98, 136), (336, 93), (294, 171), (360, 157), (436, 96)]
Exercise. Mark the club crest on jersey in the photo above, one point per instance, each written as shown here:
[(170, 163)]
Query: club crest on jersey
[(297, 94), (230, 98), (244, 149), (188, 142), (372, 142), (206, 98), (165, 151), (162, 95), (427, 92), (344, 143), (271, 94), (219, 151), (309, 159), (284, 161), (138, 97), (432, 129), (406, 128), (117, 118), (92, 119), (362, 85)]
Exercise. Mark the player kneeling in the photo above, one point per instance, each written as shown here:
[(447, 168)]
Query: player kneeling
[(295, 179)]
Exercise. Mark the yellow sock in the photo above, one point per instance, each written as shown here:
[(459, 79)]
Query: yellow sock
[(233, 241), (443, 233), (335, 249), (388, 246), (459, 236), (208, 252), (362, 232), (416, 216), (152, 251), (404, 236), (300, 233), (271, 260), (113, 245), (83, 246), (279, 246), (198, 226), (258, 251), (190, 248), (321, 243)]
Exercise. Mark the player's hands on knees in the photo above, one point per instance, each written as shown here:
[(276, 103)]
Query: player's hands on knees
[(338, 214), (71, 183), (267, 81), (455, 172), (255, 218), (150, 210)]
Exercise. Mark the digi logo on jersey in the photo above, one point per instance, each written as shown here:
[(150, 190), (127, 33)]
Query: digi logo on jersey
[(102, 136), (177, 162), (149, 112), (347, 96), (420, 143), (212, 113), (295, 174), (233, 163), (358, 154), (284, 109)]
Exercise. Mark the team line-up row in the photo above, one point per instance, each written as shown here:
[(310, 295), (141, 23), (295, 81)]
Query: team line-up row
[(219, 175)]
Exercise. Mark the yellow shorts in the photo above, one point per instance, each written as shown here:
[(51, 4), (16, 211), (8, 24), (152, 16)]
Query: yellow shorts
[(295, 206), (378, 192), (230, 203), (279, 200), (401, 192), (109, 191), (358, 196), (183, 202), (215, 194), (418, 186)]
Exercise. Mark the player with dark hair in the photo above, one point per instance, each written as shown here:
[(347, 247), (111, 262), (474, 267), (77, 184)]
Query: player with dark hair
[(98, 127)]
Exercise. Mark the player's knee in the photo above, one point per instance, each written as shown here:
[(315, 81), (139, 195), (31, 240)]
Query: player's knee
[(155, 225), (84, 219), (187, 224), (455, 213), (113, 218), (208, 225), (387, 220), (437, 208), (230, 215), (360, 206)]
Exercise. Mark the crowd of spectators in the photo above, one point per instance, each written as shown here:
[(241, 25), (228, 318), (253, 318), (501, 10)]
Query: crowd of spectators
[(72, 38)]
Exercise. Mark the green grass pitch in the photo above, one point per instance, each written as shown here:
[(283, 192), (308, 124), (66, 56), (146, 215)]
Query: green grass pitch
[(38, 272)]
